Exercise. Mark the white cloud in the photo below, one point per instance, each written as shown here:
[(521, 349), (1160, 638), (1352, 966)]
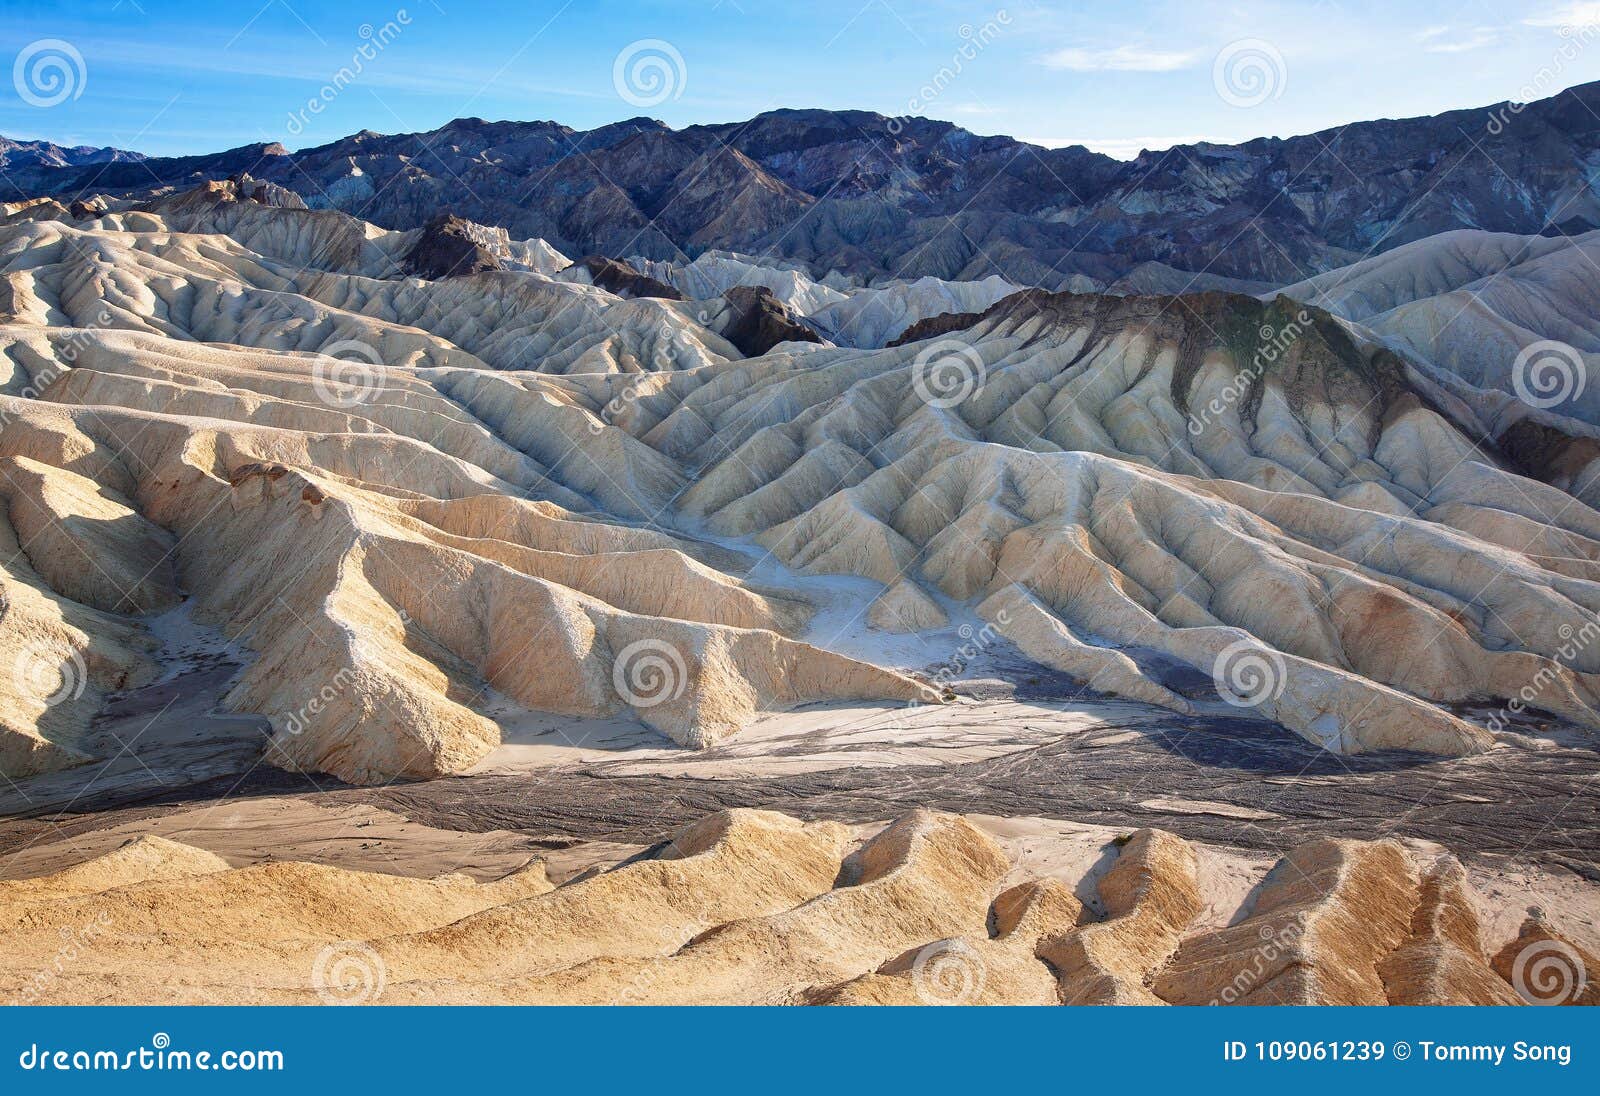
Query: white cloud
[(1452, 40), (1582, 13), (1120, 59)]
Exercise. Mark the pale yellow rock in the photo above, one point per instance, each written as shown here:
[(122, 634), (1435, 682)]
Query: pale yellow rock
[(1006, 969), (143, 860), (1443, 961), (1328, 915), (904, 607), (925, 877), (748, 907), (731, 865), (1544, 967), (87, 544), (512, 484), (1151, 896)]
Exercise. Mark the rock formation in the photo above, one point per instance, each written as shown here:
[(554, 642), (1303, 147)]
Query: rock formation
[(758, 321), (449, 246), (893, 566), (1326, 918), (1546, 968), (753, 907), (1443, 962), (1150, 897), (621, 279), (248, 409)]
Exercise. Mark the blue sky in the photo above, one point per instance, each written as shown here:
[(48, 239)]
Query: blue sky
[(178, 77)]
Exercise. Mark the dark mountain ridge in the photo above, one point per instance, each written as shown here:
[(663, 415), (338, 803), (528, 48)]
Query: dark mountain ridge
[(849, 191)]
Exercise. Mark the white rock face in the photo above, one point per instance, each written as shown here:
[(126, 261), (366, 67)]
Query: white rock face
[(904, 607), (393, 534), (873, 317), (307, 281), (848, 315), (1091, 518), (515, 484), (1470, 302), (715, 272), (537, 256)]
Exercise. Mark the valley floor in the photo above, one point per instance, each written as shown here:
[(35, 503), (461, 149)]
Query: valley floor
[(1056, 775)]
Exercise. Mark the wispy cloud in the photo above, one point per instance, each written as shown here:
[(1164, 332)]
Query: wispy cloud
[(1119, 59), (1582, 13), (1445, 39)]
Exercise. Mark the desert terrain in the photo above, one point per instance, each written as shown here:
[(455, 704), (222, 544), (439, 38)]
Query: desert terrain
[(403, 613)]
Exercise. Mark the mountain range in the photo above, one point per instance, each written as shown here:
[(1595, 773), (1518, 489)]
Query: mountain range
[(862, 194)]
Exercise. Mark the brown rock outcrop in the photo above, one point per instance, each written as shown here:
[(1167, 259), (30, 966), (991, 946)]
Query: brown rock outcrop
[(1443, 962), (1545, 967), (624, 281), (1329, 913), (760, 321), (1150, 896), (449, 247)]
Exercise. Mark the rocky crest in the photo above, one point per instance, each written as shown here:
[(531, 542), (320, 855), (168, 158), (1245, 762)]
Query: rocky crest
[(621, 279), (449, 246), (846, 191), (760, 321)]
